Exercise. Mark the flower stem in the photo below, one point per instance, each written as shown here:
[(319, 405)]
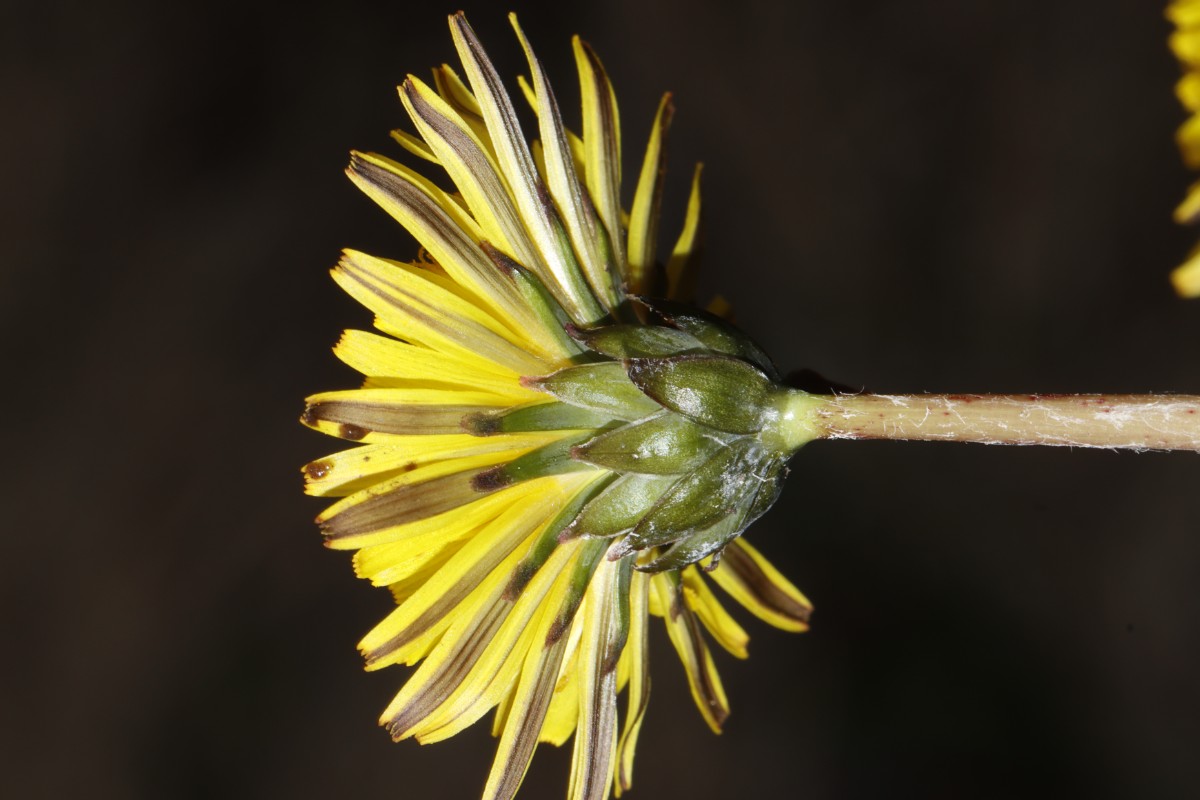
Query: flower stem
[(1115, 421)]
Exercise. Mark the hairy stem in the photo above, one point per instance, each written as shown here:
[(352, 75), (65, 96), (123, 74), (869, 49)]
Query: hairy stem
[(1117, 421)]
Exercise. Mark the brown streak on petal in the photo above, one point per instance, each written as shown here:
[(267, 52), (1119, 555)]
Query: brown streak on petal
[(467, 651), (446, 602), (426, 210), (520, 579), (505, 264), (528, 725), (703, 676), (456, 139), (403, 504), (491, 479), (677, 605), (757, 582), (356, 415), (480, 424), (472, 336), (561, 625)]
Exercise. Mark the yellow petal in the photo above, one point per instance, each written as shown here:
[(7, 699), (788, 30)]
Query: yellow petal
[(385, 511), (393, 563), (1188, 91), (473, 170), (718, 306), (500, 718), (346, 472), (499, 666), (573, 141), (601, 144), (724, 628), (596, 736), (383, 357), (563, 714), (529, 575), (1188, 212), (756, 584), (685, 635), (564, 184), (681, 269), (639, 680), (1185, 43), (377, 415), (474, 564), (447, 231), (439, 552), (524, 719), (413, 307), (474, 623), (1186, 278), (1184, 13), (452, 89), (414, 145), (1188, 139), (647, 200), (516, 165)]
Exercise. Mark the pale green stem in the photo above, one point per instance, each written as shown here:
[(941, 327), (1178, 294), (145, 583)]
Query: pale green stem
[(1114, 421)]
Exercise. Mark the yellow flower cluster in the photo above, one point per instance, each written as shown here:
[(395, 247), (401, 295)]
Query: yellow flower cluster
[(1185, 42)]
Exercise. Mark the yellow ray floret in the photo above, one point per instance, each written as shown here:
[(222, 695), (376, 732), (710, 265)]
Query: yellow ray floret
[(471, 566), (388, 363)]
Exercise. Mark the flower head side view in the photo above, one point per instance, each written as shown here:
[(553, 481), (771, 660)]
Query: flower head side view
[(535, 480), (554, 446)]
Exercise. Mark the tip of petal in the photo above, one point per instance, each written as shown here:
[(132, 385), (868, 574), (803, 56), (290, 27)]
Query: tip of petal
[(315, 471)]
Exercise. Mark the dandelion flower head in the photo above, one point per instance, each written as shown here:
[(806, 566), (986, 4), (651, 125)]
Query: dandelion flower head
[(545, 458)]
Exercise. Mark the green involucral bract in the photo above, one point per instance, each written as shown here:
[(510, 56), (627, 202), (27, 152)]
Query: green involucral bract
[(681, 411)]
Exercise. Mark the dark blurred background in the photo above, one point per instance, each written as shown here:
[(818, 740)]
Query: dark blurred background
[(928, 195)]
